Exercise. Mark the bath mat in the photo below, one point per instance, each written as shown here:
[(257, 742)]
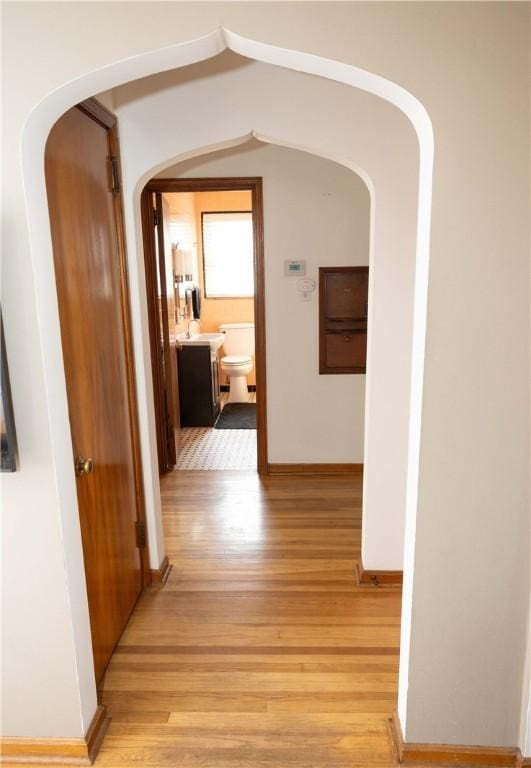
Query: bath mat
[(237, 416)]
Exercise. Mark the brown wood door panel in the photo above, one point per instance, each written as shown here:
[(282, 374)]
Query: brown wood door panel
[(346, 294), (159, 286), (92, 309), (165, 274), (346, 350)]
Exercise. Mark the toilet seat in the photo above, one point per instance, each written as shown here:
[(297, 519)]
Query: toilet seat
[(236, 360)]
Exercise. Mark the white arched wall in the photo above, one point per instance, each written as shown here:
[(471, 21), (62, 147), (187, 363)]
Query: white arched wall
[(317, 210), (76, 699), (361, 132)]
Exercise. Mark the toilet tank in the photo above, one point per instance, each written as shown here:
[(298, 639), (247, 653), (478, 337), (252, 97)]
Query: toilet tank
[(239, 338)]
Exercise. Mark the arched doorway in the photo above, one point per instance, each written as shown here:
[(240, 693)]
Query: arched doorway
[(35, 136)]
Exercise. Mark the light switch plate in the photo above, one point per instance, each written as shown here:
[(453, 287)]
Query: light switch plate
[(305, 286)]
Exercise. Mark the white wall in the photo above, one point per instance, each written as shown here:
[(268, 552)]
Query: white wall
[(318, 211), (232, 98), (468, 65), (525, 715)]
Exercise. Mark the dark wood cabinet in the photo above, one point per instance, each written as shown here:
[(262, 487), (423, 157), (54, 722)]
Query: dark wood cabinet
[(343, 304), (198, 386)]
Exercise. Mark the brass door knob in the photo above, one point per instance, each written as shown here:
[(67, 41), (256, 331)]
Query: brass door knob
[(84, 466)]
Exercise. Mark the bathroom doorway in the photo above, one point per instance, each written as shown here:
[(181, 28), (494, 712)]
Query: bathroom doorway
[(204, 261)]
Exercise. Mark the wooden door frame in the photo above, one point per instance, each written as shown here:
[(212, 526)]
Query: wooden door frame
[(150, 267), (95, 110), (252, 184), (170, 454)]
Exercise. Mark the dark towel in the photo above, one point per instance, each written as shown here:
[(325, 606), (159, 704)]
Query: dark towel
[(196, 303)]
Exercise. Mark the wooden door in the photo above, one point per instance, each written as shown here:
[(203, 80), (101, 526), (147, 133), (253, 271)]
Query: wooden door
[(81, 164), (161, 312)]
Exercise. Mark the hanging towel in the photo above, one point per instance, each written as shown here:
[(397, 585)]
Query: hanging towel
[(196, 303)]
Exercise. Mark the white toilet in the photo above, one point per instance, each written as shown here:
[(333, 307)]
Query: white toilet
[(237, 362)]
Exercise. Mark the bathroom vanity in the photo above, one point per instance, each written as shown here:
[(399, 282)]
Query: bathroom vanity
[(198, 384)]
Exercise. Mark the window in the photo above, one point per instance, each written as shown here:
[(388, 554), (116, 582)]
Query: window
[(228, 254)]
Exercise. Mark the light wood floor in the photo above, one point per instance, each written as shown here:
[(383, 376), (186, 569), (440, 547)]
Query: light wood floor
[(260, 651)]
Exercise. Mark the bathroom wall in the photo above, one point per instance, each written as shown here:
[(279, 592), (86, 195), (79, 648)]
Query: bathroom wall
[(185, 209), (168, 267), (232, 310), (318, 211), (180, 210)]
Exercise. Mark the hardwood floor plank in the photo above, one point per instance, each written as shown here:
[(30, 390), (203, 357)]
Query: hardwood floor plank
[(205, 652)]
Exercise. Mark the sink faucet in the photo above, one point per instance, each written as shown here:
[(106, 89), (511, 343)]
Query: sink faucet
[(182, 315)]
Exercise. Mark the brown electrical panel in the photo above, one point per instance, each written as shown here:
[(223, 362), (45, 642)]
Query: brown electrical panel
[(343, 296)]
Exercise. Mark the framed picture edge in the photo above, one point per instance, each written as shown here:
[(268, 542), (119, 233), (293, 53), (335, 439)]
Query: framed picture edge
[(9, 457)]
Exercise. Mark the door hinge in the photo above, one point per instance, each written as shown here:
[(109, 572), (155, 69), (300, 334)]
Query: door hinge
[(115, 175), (155, 218), (140, 534)]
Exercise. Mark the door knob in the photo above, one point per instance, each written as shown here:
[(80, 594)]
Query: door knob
[(84, 466)]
